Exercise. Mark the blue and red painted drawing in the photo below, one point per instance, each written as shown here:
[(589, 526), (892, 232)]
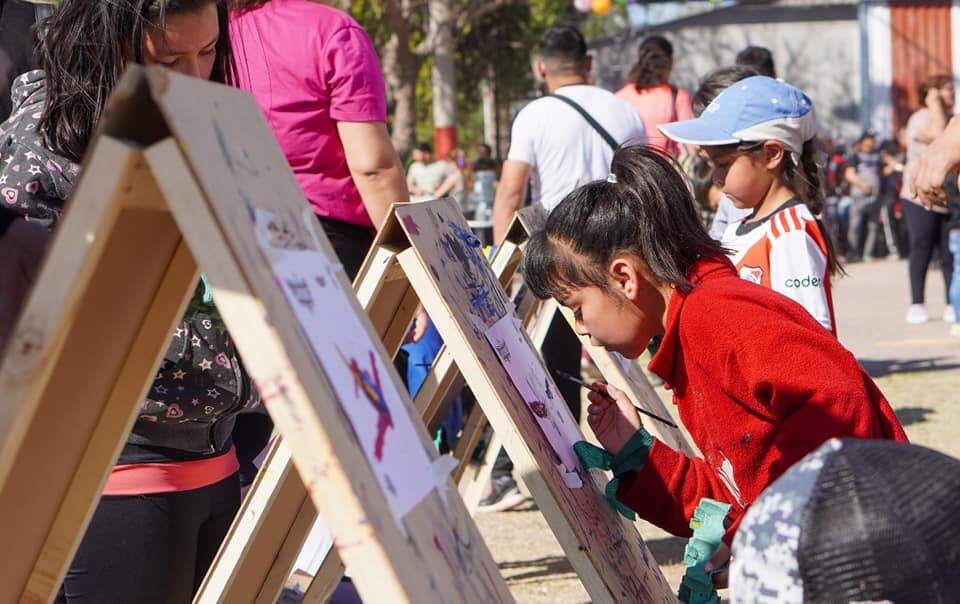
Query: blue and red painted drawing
[(368, 383)]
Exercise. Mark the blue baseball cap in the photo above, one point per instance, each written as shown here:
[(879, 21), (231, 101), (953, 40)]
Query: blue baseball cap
[(754, 109)]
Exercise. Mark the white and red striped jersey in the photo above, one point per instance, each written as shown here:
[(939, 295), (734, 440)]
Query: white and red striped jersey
[(786, 251)]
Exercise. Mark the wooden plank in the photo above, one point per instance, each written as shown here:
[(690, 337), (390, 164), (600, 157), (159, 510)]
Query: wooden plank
[(384, 292), (238, 569), (93, 330), (607, 552), (289, 551), (326, 580), (250, 556), (472, 431), (219, 170), (475, 480)]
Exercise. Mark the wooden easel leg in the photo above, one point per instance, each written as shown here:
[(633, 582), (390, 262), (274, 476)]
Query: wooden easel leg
[(83, 375), (326, 580), (476, 478), (261, 548), (253, 574), (472, 431)]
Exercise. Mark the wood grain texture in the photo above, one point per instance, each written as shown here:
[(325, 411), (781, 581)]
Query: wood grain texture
[(86, 347), (463, 297), (221, 165)]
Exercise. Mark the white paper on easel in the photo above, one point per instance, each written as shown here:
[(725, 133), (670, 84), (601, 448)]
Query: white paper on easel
[(527, 373), (358, 375)]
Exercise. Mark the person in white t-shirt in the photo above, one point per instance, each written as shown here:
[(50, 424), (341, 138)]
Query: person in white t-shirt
[(554, 148)]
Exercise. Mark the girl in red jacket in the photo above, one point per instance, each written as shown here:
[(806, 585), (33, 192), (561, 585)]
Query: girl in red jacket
[(757, 381)]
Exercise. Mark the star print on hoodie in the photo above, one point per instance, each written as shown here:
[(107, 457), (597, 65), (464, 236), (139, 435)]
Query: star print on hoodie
[(34, 182)]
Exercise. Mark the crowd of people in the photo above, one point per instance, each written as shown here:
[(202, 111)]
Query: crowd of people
[(700, 226)]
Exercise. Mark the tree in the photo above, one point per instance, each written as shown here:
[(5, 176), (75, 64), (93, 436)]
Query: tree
[(401, 30), (492, 43)]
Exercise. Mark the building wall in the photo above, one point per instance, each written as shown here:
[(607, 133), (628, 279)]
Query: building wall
[(816, 48), (921, 46)]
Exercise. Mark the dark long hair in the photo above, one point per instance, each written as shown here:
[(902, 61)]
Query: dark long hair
[(934, 81), (806, 181), (647, 212), (654, 63), (83, 47)]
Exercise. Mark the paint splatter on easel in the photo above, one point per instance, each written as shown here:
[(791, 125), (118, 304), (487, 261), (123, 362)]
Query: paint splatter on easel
[(460, 557), (474, 276), (301, 291), (411, 225)]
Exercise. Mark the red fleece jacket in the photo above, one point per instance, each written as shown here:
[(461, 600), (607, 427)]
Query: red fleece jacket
[(759, 384)]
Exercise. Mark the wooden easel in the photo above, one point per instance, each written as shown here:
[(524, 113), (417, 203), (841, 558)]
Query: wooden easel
[(538, 316), (394, 277), (605, 550), (259, 552), (175, 174)]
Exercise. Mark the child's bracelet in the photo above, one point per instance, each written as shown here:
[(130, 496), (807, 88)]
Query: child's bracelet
[(631, 457)]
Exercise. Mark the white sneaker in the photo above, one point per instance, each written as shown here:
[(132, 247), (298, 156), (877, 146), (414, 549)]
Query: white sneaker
[(917, 313), (949, 314)]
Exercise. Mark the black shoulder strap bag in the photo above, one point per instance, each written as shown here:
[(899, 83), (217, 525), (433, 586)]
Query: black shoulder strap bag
[(596, 125)]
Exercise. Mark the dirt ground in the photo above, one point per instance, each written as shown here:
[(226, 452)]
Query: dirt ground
[(916, 366)]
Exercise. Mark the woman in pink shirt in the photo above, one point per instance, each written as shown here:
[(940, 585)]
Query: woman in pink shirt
[(651, 94), (316, 76)]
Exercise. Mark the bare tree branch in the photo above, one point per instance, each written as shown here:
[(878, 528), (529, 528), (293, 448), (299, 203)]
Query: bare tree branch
[(478, 10), (397, 21), (426, 46)]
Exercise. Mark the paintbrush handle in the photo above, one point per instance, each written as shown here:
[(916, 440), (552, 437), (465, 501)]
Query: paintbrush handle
[(592, 388)]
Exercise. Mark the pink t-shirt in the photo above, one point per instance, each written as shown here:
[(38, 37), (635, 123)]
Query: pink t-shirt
[(310, 66), (655, 106)]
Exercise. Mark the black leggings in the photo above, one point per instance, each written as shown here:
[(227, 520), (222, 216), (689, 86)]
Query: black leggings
[(351, 242), (152, 548), (927, 231)]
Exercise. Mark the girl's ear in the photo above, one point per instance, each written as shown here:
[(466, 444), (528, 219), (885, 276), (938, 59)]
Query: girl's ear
[(773, 154), (625, 276)]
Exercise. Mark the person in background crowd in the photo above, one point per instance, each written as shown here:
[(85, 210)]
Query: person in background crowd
[(716, 82), (315, 74), (836, 205), (455, 184), (651, 94), (953, 226), (935, 185), (891, 177), (758, 58), (927, 227), (426, 175), (485, 173), (862, 172), (595, 122)]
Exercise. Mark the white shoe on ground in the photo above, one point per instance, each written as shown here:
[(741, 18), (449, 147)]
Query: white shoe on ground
[(916, 314), (949, 314)]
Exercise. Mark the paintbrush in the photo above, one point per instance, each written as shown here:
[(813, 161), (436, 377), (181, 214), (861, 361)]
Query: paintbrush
[(592, 388)]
